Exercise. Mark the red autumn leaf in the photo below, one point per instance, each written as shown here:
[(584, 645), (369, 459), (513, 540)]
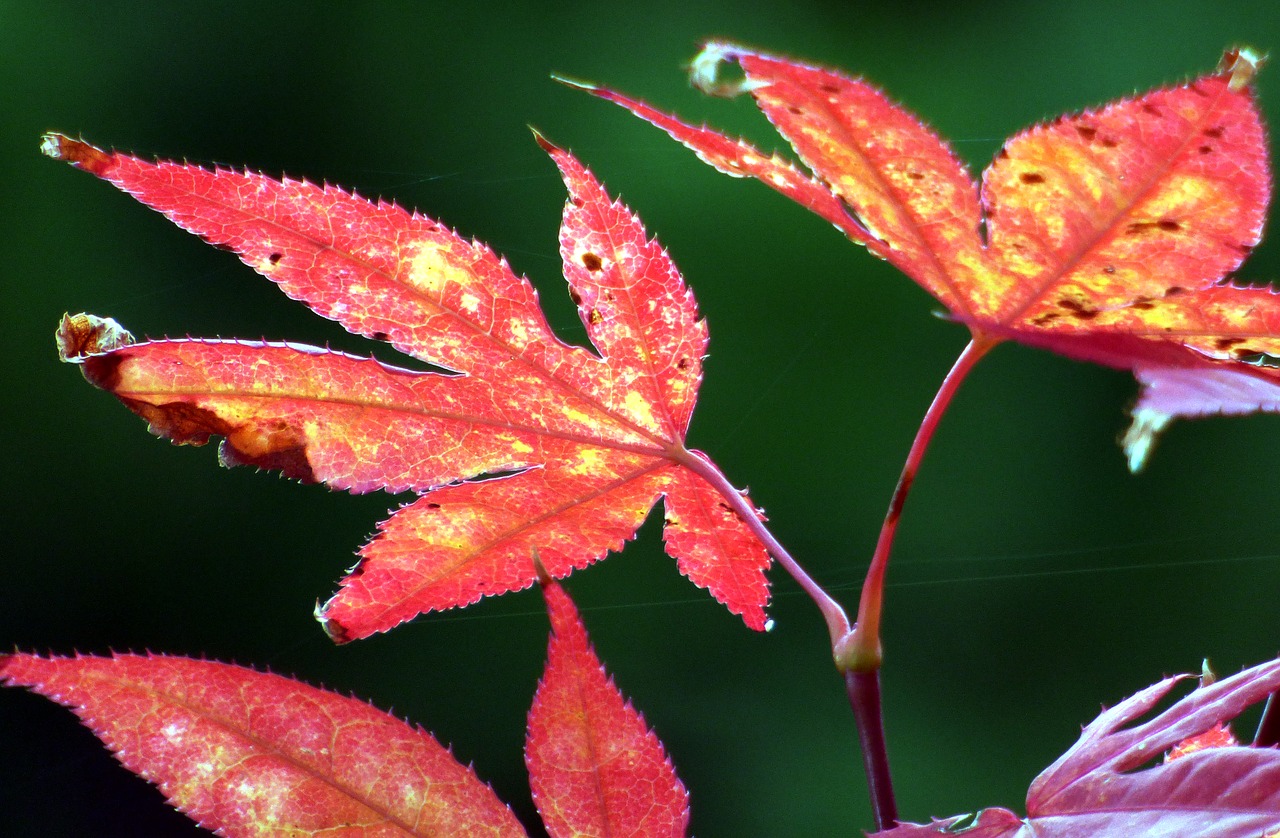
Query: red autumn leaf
[(588, 442), (1104, 235), (594, 767), (254, 754), (1100, 787)]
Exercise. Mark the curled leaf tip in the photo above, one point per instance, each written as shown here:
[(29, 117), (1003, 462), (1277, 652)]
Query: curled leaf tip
[(82, 335), (707, 72), (77, 153), (1243, 64)]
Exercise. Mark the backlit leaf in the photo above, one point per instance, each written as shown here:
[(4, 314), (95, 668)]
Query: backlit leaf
[(1104, 785), (523, 443), (594, 766), (253, 754), (1104, 235)]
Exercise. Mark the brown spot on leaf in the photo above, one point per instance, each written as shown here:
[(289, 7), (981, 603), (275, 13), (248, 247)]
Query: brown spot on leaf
[(380, 336), (1175, 290), (1087, 132), (828, 88), (275, 258), (1205, 149), (1227, 343), (1031, 177), (1108, 142), (1147, 107), (592, 262), (684, 364), (595, 317), (1109, 269), (575, 296), (1139, 228), (793, 109), (1215, 132), (1077, 309)]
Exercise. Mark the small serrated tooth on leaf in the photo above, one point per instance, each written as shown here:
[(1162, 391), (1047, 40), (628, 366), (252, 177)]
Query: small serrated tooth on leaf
[(82, 335), (1140, 439), (706, 72), (1243, 63)]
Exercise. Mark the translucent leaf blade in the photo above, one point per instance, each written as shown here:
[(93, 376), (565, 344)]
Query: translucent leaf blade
[(455, 545), (375, 268), (902, 183), (249, 753), (594, 766), (738, 158), (1099, 787), (524, 402), (1167, 190), (636, 307)]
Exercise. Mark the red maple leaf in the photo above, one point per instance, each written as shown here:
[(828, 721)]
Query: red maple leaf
[(1100, 787), (1103, 235), (577, 446), (248, 753)]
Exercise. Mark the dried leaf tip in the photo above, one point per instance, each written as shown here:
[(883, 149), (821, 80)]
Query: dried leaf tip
[(78, 154), (82, 335), (1243, 63), (707, 72)]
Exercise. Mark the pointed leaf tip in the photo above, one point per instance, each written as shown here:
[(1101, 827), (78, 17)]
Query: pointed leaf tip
[(82, 335), (577, 84), (541, 139), (79, 154)]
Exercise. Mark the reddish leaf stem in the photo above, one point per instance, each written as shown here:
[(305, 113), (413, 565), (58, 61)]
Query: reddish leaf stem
[(834, 615), (864, 697), (861, 650), (1268, 735)]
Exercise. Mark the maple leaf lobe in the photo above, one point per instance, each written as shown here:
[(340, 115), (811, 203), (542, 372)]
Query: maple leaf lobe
[(1107, 232), (532, 443)]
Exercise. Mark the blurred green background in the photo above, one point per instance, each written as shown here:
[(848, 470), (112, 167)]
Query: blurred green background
[(1034, 578)]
